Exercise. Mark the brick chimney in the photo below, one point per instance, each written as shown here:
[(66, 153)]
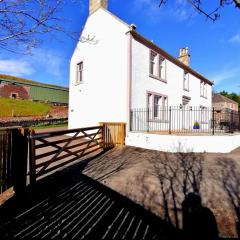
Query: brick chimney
[(94, 5), (184, 56)]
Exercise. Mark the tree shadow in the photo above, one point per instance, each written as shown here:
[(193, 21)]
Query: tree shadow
[(109, 164), (178, 176), (229, 178)]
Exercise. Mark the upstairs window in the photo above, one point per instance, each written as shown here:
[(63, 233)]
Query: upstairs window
[(162, 68), (157, 66), (203, 89), (153, 63), (186, 81), (79, 73)]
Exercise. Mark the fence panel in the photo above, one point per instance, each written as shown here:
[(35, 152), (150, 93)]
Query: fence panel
[(114, 134), (184, 120)]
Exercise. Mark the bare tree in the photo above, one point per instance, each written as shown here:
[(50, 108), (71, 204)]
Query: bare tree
[(212, 14), (22, 22)]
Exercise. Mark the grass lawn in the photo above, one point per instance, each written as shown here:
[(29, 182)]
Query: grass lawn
[(63, 125), (17, 108)]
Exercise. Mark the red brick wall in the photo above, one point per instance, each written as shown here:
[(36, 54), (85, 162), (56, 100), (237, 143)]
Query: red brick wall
[(21, 91)]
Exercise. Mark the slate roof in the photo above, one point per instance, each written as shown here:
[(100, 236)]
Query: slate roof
[(217, 97)]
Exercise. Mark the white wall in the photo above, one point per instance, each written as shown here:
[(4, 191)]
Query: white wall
[(102, 96), (141, 82), (171, 143)]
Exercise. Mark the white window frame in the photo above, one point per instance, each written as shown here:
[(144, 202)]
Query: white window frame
[(157, 112), (153, 63), (79, 74), (203, 89), (157, 66), (162, 68), (186, 81), (204, 114)]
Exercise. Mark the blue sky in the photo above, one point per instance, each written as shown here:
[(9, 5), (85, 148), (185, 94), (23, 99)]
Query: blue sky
[(214, 47)]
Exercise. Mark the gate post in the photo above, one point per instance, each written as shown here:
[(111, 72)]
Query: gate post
[(20, 159)]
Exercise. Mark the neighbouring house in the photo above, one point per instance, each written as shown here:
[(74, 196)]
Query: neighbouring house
[(221, 102), (226, 111), (20, 88), (115, 71)]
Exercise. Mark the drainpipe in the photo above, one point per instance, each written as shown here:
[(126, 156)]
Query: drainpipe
[(129, 80)]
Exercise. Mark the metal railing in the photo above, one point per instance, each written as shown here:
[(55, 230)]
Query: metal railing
[(184, 120)]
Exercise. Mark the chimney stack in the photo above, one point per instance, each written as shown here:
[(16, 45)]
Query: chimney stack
[(94, 5), (184, 56)]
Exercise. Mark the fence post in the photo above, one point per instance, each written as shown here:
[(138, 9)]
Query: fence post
[(131, 120), (148, 113), (170, 119), (103, 135), (20, 159), (231, 126), (213, 120)]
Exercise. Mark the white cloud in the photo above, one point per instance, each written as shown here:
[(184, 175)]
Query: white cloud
[(225, 75), (16, 67), (235, 38), (41, 60), (177, 10), (50, 61)]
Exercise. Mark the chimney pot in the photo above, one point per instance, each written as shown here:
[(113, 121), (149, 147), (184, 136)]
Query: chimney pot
[(94, 5), (184, 56)]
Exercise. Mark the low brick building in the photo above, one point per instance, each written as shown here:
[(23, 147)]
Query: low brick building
[(20, 88), (14, 91)]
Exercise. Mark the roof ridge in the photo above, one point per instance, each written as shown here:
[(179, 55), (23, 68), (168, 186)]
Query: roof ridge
[(24, 80)]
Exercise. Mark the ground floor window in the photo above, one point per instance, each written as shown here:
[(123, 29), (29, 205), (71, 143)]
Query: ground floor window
[(157, 105)]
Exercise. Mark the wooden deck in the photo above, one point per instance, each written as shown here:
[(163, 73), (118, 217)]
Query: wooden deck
[(69, 205)]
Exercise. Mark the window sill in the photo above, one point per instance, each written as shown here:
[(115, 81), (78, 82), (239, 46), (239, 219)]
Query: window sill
[(185, 89), (79, 83), (158, 120), (158, 78), (203, 96), (203, 122)]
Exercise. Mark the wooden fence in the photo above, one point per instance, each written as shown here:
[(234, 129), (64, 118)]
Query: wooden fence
[(13, 143), (24, 152)]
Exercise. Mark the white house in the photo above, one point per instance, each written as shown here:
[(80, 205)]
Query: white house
[(115, 70)]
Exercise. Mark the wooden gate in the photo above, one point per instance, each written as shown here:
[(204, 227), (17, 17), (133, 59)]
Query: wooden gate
[(51, 150)]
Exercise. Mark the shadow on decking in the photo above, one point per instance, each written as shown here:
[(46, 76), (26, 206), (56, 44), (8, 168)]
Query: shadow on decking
[(70, 205)]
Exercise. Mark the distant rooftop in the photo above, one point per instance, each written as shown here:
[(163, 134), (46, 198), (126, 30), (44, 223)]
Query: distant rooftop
[(26, 81), (217, 97)]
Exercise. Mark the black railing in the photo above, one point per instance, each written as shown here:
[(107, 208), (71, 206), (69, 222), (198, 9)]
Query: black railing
[(184, 120)]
